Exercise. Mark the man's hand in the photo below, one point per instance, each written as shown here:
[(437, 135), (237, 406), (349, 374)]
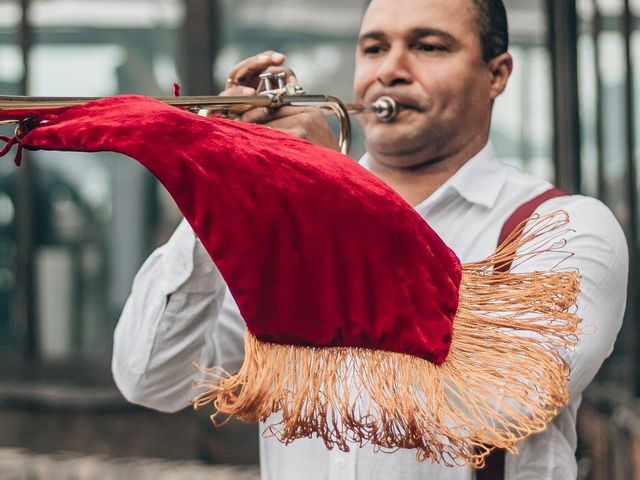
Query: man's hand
[(308, 123)]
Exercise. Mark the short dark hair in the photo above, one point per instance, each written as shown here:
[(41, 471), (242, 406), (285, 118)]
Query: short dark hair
[(494, 29)]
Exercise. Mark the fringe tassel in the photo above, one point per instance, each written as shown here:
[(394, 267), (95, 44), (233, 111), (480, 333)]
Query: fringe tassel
[(503, 380)]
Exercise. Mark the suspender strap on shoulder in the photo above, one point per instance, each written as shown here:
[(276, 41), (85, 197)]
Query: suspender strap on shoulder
[(494, 463), (525, 210)]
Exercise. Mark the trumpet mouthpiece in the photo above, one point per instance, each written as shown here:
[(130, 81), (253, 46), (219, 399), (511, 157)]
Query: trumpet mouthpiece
[(386, 108)]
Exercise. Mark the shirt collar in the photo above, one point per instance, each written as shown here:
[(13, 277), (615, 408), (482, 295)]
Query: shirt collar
[(479, 180)]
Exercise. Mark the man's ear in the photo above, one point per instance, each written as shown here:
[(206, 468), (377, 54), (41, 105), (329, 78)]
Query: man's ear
[(500, 69)]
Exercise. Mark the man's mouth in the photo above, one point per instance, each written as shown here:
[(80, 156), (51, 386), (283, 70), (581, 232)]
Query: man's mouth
[(407, 106), (403, 103), (404, 108)]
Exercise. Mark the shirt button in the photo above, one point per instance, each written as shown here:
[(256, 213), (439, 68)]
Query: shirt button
[(207, 268)]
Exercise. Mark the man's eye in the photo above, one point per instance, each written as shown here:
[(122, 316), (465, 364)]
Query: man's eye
[(430, 47), (371, 49)]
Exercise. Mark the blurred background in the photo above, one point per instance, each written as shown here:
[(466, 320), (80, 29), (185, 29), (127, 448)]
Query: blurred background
[(75, 228)]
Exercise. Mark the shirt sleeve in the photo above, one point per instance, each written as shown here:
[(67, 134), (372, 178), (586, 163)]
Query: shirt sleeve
[(179, 312), (596, 248)]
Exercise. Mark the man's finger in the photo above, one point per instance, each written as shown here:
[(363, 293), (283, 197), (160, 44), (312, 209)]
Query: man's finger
[(268, 115), (258, 115), (247, 72), (284, 112), (238, 91), (308, 124)]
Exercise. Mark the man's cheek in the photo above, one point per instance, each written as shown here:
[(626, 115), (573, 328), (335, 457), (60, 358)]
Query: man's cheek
[(362, 79), (358, 89)]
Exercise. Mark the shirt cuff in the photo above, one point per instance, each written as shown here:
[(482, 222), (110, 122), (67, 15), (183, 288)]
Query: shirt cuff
[(187, 265)]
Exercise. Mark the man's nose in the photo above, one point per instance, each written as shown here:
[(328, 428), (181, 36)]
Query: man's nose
[(394, 69)]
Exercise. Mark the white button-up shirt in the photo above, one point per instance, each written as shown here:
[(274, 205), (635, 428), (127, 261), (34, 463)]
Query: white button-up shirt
[(179, 312)]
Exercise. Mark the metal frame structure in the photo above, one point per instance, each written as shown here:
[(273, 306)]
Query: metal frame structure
[(201, 40), (563, 36), (25, 298)]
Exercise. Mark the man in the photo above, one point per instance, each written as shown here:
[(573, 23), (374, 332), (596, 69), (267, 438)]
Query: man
[(445, 62)]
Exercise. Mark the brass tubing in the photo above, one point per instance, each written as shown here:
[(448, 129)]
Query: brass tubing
[(385, 108)]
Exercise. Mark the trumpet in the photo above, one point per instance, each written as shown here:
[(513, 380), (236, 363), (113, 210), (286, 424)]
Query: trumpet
[(385, 108)]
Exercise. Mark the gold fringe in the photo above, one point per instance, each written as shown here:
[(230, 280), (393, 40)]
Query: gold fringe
[(504, 377)]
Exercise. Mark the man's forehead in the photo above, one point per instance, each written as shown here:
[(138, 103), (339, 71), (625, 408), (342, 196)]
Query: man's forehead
[(389, 15)]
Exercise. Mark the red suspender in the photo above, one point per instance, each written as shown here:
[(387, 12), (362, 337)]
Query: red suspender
[(526, 210), (494, 463)]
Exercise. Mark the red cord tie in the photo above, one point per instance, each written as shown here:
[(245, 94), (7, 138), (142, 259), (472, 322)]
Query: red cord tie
[(24, 126), (10, 142)]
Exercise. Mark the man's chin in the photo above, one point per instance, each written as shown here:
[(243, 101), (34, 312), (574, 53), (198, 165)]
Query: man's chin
[(390, 139)]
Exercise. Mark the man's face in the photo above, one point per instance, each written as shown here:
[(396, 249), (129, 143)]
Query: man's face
[(427, 55)]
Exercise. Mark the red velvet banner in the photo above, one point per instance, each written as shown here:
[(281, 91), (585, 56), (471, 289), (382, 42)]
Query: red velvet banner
[(315, 249)]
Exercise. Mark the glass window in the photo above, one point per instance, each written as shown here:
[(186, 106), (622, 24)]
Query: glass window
[(95, 214)]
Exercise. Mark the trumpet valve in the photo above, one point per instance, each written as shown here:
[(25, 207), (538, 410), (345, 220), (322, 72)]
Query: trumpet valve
[(265, 80), (280, 78), (273, 85)]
